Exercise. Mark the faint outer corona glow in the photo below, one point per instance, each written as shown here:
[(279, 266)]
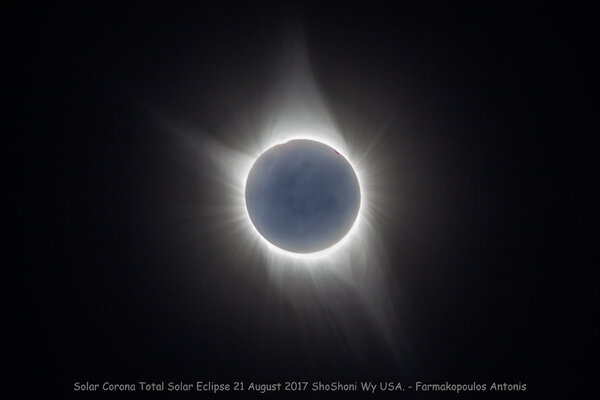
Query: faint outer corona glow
[(357, 265)]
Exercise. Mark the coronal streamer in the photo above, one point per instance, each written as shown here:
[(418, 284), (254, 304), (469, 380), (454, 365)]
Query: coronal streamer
[(332, 285)]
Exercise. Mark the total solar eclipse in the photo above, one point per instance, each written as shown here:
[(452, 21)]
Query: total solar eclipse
[(302, 196)]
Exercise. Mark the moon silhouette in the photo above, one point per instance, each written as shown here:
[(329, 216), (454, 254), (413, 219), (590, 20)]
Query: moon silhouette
[(302, 196)]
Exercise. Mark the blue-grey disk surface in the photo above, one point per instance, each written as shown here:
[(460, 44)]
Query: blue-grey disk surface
[(302, 196)]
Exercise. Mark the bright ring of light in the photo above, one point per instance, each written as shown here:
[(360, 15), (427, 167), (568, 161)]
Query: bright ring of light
[(344, 243), (306, 160)]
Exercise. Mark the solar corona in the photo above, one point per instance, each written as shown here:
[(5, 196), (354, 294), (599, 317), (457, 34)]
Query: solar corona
[(294, 195), (296, 188)]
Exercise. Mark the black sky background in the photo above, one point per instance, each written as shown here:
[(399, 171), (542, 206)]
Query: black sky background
[(480, 98)]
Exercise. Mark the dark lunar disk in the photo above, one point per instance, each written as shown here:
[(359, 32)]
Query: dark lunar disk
[(302, 196)]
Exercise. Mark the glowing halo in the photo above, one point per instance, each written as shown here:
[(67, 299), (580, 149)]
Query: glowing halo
[(294, 118), (357, 266), (356, 238)]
